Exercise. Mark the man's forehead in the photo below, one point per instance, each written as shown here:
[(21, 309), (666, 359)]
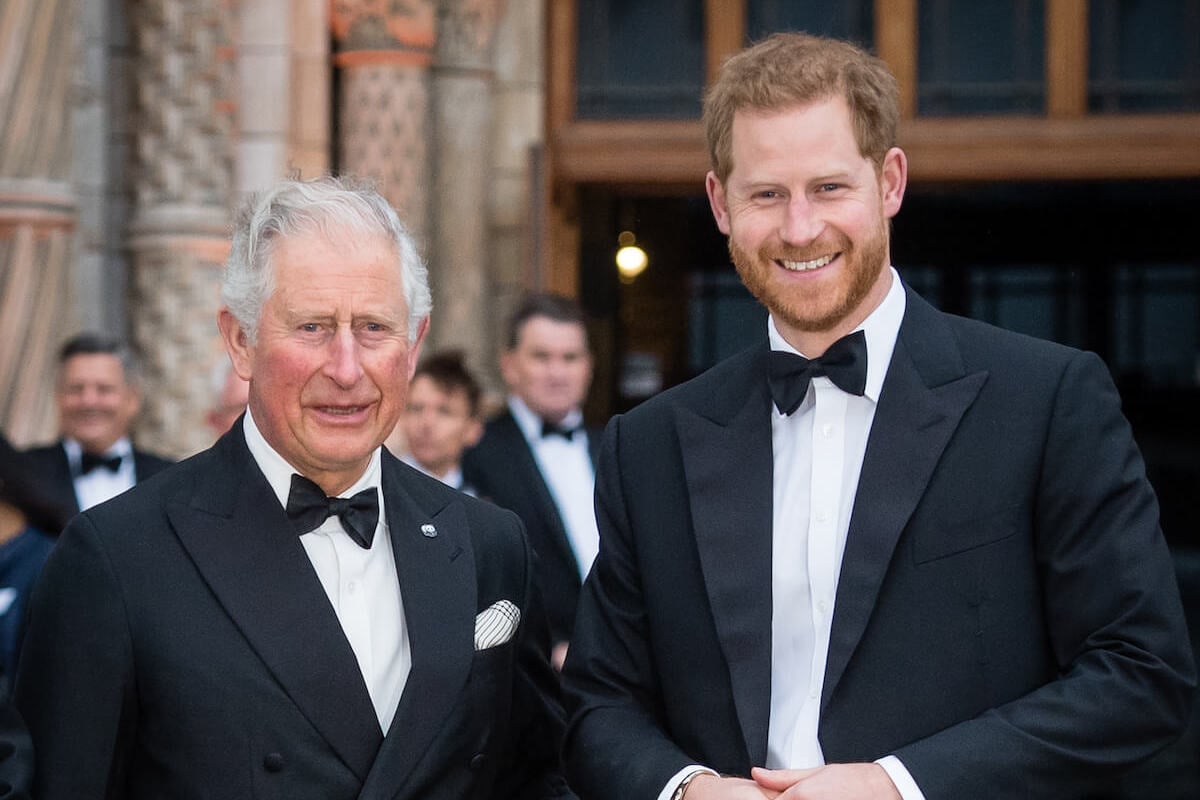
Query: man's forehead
[(83, 366), (423, 383), (542, 331)]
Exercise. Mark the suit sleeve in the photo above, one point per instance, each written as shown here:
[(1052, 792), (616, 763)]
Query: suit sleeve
[(16, 755), (615, 745), (1112, 612), (75, 680), (532, 768)]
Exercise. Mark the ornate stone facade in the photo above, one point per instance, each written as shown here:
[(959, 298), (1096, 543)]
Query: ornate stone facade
[(462, 114), (37, 207), (183, 180), (119, 168), (384, 52)]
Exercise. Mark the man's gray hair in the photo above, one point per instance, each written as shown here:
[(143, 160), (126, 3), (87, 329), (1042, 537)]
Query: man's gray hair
[(330, 206)]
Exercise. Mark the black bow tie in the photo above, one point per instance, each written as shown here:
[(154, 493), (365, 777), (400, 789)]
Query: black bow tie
[(554, 429), (91, 461), (844, 363), (308, 507)]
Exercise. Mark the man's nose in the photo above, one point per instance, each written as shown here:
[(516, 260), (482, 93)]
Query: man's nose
[(345, 363), (801, 223)]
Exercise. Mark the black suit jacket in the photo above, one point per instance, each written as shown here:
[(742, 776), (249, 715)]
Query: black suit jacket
[(1006, 620), (51, 464), (180, 645), (16, 755), (502, 469)]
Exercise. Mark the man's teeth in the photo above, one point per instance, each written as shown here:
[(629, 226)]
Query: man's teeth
[(341, 411), (804, 266)]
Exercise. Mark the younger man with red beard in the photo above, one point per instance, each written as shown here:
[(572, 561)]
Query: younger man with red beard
[(886, 552)]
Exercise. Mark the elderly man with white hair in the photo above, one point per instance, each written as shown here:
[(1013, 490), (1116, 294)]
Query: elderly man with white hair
[(294, 613)]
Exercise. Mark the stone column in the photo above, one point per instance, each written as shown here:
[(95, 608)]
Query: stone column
[(459, 256), (183, 186), (38, 207), (383, 53)]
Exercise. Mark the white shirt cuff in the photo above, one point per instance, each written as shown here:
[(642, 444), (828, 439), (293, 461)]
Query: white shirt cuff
[(680, 776), (901, 778)]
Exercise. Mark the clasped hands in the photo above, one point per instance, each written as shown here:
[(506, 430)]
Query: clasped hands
[(830, 782)]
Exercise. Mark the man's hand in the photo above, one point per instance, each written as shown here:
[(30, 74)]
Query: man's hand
[(711, 787), (558, 654), (831, 782)]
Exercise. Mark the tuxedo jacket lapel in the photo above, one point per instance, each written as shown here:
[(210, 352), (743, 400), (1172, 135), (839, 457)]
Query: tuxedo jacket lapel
[(63, 482), (246, 550), (924, 396), (522, 454), (727, 461), (436, 568)]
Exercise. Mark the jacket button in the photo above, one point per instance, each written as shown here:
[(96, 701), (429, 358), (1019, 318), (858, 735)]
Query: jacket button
[(273, 762), (478, 762)]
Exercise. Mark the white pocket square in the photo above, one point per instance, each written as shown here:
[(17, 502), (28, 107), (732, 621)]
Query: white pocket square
[(496, 624)]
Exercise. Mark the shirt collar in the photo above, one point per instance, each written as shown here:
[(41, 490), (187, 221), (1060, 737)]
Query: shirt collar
[(531, 424), (278, 471), (881, 327)]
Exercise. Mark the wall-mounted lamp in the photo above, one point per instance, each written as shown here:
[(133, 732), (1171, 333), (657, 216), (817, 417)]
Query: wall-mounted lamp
[(631, 259)]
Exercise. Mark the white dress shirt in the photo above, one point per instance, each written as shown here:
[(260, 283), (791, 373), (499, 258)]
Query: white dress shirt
[(818, 456), (101, 484), (566, 466), (361, 584)]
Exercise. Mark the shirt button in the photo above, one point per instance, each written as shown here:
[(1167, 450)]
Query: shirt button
[(827, 430), (823, 606), (822, 516), (351, 587)]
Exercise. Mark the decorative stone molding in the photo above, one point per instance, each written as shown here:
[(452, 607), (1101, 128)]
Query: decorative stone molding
[(459, 255), (185, 69), (38, 207), (384, 52)]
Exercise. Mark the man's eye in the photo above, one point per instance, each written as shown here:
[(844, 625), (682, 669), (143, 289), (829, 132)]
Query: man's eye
[(310, 327), (830, 187)]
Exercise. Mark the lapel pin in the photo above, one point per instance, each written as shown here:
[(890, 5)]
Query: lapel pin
[(429, 530)]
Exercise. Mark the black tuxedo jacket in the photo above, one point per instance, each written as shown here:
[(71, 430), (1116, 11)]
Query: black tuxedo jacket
[(16, 755), (181, 646), (50, 463), (502, 469), (1007, 621)]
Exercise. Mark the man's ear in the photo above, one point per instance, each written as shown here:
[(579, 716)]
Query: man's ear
[(237, 343), (473, 433), (893, 178), (717, 201), (506, 367), (414, 351)]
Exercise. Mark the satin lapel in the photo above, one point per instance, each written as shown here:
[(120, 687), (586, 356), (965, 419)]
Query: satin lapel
[(924, 396), (248, 554), (63, 481), (728, 468), (437, 584), (522, 454)]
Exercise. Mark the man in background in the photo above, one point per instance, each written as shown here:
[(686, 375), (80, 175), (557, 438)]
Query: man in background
[(442, 418), (537, 458), (98, 395)]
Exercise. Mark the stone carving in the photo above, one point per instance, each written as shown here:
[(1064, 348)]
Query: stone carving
[(182, 182)]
